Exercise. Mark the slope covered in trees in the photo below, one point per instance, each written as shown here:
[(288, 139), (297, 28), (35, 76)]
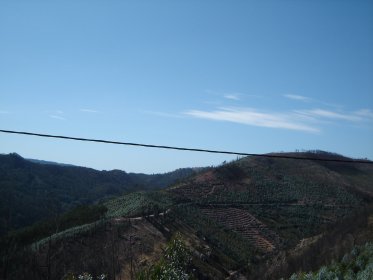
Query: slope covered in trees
[(31, 191), (254, 218), (358, 264)]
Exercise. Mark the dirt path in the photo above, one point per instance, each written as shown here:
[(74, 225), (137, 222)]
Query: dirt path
[(138, 218)]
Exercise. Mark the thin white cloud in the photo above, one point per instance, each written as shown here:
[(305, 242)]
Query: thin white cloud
[(89, 111), (57, 117), (297, 97), (365, 113), (306, 99), (3, 112), (232, 96), (255, 118), (331, 115)]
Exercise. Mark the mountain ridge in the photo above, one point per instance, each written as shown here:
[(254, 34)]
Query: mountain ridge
[(28, 188), (252, 218)]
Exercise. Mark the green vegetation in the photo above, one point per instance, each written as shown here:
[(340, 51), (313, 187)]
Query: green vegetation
[(84, 276), (356, 265), (230, 248), (264, 189), (295, 222), (250, 216), (139, 203), (296, 199), (70, 232), (32, 192), (173, 265), (79, 216)]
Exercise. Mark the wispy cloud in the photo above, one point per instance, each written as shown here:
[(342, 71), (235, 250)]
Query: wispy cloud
[(331, 115), (305, 99), (365, 113), (248, 116), (3, 112), (57, 117), (232, 96), (85, 110), (297, 97)]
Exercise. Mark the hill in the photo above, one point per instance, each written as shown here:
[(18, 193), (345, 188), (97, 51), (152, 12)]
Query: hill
[(254, 218), (31, 190)]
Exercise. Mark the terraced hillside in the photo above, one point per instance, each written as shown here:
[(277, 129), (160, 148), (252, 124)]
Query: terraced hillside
[(292, 191), (242, 222), (277, 203), (254, 218)]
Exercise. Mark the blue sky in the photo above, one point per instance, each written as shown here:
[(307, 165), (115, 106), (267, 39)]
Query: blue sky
[(247, 76)]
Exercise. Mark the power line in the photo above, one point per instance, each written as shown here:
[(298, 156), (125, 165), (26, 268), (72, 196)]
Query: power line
[(184, 149)]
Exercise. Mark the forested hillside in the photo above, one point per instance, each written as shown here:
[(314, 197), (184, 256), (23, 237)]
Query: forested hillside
[(253, 218), (357, 264), (31, 191)]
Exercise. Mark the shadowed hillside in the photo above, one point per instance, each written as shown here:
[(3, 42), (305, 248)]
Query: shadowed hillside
[(254, 218), (31, 191)]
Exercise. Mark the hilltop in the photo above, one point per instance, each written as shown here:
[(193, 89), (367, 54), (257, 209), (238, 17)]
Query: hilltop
[(253, 218)]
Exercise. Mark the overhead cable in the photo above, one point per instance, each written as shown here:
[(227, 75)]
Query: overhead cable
[(187, 149)]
